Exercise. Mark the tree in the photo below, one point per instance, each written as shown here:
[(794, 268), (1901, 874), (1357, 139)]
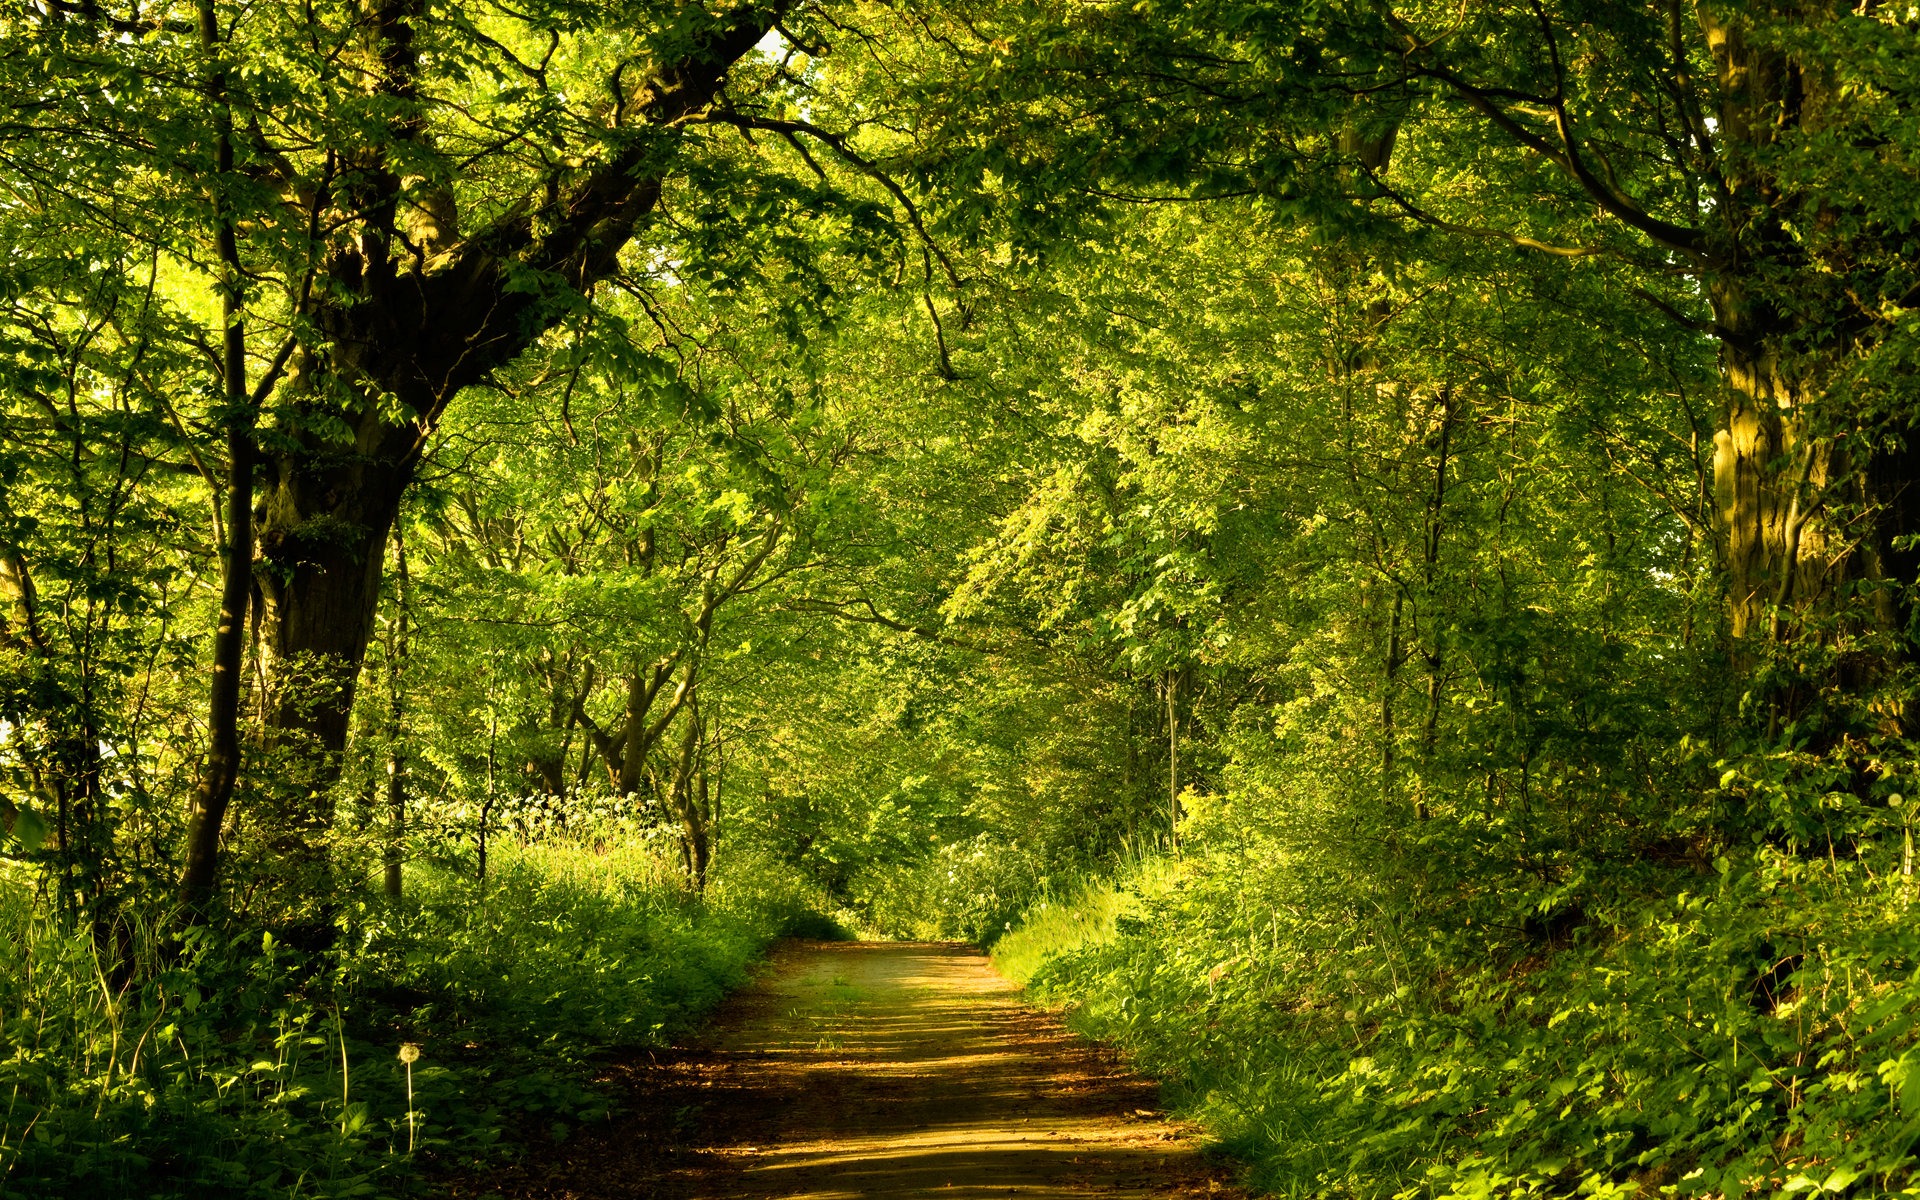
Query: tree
[(1745, 165), (412, 193)]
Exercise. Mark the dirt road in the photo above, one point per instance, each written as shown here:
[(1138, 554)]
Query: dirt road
[(876, 1070)]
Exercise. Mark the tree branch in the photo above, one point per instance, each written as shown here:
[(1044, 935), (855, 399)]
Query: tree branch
[(1566, 155)]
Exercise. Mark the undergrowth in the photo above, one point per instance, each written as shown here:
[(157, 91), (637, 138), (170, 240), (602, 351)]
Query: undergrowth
[(237, 1067), (1745, 1026)]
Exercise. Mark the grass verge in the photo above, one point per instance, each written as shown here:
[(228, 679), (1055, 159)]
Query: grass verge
[(245, 1070)]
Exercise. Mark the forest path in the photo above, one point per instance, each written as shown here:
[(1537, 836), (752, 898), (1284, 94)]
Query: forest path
[(876, 1070)]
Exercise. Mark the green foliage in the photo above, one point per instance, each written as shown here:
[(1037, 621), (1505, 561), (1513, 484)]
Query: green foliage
[(970, 891), (1381, 534), (1086, 916), (247, 1069), (1749, 1030)]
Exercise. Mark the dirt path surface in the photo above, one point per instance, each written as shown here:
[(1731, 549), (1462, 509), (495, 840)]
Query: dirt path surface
[(875, 1070)]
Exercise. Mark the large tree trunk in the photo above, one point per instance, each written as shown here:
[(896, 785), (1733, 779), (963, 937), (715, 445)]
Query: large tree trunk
[(1772, 478), (1815, 528), (1815, 492), (323, 540), (1814, 478), (323, 535), (1770, 472)]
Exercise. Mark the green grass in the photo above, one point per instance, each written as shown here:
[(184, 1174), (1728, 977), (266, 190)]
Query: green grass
[(244, 1070), (1083, 917)]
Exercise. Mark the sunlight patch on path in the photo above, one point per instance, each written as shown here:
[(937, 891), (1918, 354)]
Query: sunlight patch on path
[(914, 1070)]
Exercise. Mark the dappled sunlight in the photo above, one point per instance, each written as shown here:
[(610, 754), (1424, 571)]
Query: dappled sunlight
[(913, 1069), (876, 1070)]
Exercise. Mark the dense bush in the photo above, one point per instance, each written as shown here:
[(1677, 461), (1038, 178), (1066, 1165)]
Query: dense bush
[(236, 1067), (1747, 1027)]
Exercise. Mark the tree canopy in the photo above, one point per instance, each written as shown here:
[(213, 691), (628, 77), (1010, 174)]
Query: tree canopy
[(1422, 490)]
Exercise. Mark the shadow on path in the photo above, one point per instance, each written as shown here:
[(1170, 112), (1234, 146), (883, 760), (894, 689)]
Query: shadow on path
[(875, 1070)]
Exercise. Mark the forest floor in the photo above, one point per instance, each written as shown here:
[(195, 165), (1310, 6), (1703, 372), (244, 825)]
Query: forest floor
[(873, 1070)]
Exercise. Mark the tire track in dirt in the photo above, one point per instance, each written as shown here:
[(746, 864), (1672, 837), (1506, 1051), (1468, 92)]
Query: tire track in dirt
[(875, 1069)]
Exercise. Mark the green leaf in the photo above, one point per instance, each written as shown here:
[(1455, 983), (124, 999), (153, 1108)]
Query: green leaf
[(29, 828)]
